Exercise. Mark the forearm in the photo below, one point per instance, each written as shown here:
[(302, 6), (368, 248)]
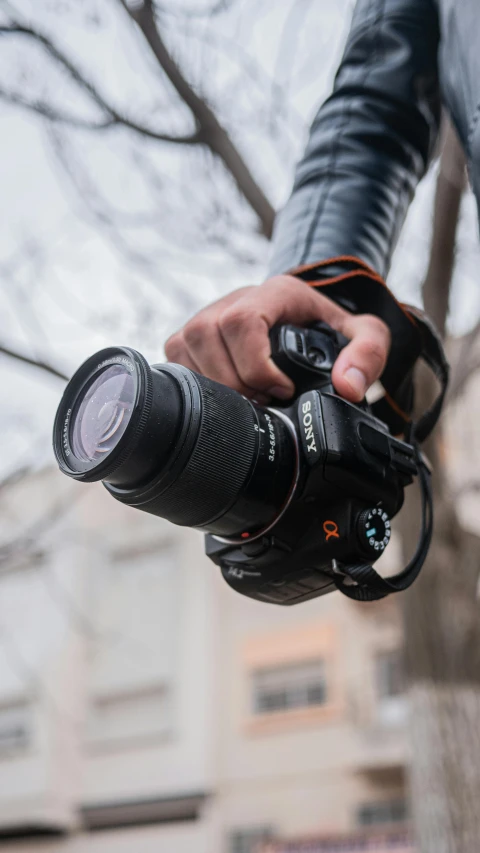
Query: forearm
[(370, 143)]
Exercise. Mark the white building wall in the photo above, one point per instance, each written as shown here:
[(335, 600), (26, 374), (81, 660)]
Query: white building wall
[(134, 659), (106, 644)]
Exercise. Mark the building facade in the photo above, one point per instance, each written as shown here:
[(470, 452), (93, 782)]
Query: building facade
[(145, 706)]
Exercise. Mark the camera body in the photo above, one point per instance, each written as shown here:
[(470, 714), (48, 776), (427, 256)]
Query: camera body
[(296, 499), (349, 483)]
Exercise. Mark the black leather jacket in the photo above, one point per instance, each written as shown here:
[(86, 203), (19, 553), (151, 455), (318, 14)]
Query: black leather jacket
[(371, 141)]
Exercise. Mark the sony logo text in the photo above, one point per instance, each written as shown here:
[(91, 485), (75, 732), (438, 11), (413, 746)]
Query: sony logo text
[(308, 426)]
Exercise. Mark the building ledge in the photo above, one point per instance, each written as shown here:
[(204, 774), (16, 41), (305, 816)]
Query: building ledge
[(30, 831), (185, 807)]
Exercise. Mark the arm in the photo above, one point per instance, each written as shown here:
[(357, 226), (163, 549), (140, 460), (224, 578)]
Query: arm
[(370, 142), (369, 146)]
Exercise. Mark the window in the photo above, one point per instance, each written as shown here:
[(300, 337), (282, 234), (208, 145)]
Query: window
[(15, 727), (136, 603), (249, 840), (389, 811), (390, 689), (285, 688), (389, 675)]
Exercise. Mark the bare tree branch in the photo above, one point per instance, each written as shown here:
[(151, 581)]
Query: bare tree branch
[(464, 363), (208, 131), (12, 478), (451, 183), (192, 12), (47, 111), (33, 362), (113, 117), (211, 132), (61, 58), (44, 109)]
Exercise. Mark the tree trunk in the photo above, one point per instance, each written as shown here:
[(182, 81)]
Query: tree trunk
[(445, 778), (441, 611)]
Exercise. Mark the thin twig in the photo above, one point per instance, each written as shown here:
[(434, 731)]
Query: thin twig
[(33, 362), (113, 119), (211, 132)]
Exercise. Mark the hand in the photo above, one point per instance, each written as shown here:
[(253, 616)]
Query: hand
[(228, 341)]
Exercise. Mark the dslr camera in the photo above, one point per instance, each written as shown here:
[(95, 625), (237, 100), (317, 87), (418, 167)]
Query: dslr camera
[(295, 499)]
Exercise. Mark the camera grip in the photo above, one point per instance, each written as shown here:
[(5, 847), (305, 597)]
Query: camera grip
[(306, 355)]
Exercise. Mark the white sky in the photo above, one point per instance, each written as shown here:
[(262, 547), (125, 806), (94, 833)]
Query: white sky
[(66, 290)]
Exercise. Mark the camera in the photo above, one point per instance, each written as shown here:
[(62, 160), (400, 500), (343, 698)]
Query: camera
[(296, 498)]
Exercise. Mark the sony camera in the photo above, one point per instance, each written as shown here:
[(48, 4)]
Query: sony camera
[(296, 499)]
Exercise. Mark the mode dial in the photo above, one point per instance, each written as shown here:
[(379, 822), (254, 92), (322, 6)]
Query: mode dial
[(374, 530)]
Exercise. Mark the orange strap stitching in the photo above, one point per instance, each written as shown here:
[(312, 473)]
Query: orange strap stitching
[(344, 275), (396, 408), (370, 273), (391, 402), (364, 270), (329, 261)]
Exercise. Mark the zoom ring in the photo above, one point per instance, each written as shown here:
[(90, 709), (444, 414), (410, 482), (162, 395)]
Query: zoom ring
[(220, 463)]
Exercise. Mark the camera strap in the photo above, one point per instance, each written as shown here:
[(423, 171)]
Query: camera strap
[(355, 286), (363, 583)]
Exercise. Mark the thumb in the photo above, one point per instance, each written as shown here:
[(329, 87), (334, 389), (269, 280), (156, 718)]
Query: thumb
[(362, 362)]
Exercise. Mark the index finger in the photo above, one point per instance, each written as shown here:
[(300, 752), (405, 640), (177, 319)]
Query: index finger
[(245, 325)]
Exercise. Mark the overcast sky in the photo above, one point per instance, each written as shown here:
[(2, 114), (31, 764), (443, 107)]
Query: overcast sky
[(67, 289)]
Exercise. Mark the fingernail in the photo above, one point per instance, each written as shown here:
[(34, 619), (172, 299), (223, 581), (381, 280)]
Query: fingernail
[(280, 392), (357, 380)]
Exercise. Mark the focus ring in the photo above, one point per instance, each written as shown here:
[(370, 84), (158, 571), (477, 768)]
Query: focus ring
[(220, 463)]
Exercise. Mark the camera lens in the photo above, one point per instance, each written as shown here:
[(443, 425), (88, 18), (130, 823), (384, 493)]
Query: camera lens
[(176, 444), (101, 416)]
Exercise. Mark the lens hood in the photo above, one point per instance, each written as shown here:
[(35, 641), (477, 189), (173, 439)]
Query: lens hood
[(68, 460)]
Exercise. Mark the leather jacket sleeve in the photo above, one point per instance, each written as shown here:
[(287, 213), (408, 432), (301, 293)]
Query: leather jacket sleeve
[(370, 142)]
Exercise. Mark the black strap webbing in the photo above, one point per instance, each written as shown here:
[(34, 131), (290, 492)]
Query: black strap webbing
[(358, 288), (363, 583)]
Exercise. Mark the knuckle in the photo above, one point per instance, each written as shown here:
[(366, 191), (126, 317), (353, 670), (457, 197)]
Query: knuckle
[(195, 332), (235, 319), (285, 280), (373, 351), (174, 346), (379, 329), (283, 285)]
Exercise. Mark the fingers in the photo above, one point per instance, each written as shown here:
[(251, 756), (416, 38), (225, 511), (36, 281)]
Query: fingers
[(229, 340), (245, 324), (245, 335), (200, 347), (176, 350)]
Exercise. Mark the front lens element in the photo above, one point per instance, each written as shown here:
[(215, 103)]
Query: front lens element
[(102, 414)]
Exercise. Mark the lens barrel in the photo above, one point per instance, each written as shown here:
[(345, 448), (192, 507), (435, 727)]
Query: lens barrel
[(176, 444)]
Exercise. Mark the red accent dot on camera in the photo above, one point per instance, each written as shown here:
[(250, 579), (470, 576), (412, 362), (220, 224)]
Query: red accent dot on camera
[(245, 535)]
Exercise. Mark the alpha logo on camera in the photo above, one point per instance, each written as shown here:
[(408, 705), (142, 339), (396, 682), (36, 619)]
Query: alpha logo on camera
[(330, 528)]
